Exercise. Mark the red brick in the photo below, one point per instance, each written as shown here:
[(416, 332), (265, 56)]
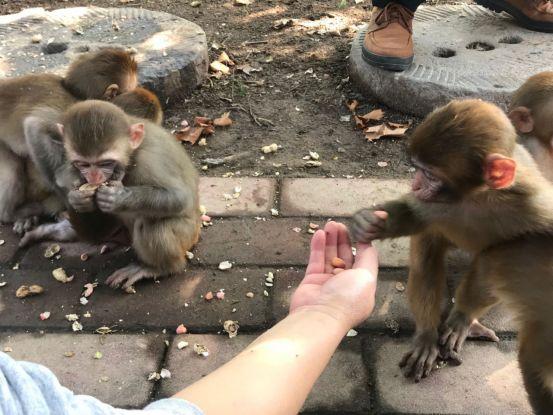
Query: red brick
[(256, 198), (126, 362), (336, 197)]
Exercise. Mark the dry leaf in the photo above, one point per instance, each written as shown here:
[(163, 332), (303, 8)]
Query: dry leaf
[(398, 125), (374, 115), (189, 134), (359, 122), (223, 121), (217, 66), (282, 23), (225, 58), (247, 69), (202, 121), (352, 105), (378, 131)]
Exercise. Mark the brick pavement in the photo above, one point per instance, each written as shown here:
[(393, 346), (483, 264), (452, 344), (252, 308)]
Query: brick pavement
[(363, 376)]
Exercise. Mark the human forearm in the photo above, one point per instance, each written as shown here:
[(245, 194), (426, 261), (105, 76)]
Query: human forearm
[(275, 373)]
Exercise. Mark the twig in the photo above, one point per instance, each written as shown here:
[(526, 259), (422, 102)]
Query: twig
[(255, 42)]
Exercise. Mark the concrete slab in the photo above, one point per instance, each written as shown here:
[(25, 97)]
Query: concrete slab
[(488, 382), (342, 388), (119, 378), (171, 51), (460, 51)]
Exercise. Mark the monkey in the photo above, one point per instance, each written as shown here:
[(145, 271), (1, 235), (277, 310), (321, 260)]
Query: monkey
[(45, 145), (531, 111), (141, 103), (474, 188), (103, 74), (136, 172)]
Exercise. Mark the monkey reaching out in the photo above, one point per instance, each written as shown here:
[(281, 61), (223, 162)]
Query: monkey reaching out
[(476, 189), (137, 174), (531, 111)]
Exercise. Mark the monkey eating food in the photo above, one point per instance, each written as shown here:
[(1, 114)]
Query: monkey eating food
[(100, 75), (138, 174), (476, 189), (531, 111)]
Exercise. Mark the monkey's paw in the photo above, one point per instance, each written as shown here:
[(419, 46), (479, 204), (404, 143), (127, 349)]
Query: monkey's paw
[(421, 359), (369, 225), (458, 328), (23, 225), (127, 276)]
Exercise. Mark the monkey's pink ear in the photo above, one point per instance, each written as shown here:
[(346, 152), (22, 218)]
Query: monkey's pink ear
[(522, 119), (59, 128), (136, 135), (499, 171)]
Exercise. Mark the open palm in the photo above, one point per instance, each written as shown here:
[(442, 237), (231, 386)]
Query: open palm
[(349, 294)]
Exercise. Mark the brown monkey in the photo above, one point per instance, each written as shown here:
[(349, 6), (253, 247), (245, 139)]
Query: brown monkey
[(144, 178), (531, 111), (141, 103), (45, 145), (474, 188), (102, 74)]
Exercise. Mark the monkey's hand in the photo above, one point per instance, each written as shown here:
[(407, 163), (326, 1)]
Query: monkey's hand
[(458, 327), (420, 360), (369, 225), (112, 198), (82, 200)]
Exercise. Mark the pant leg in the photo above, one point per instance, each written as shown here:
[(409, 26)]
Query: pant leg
[(410, 4)]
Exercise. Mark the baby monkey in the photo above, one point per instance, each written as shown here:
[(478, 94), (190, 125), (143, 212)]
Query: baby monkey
[(531, 112), (477, 189), (134, 171)]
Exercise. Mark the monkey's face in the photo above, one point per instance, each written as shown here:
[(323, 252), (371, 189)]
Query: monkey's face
[(428, 186), (96, 171)]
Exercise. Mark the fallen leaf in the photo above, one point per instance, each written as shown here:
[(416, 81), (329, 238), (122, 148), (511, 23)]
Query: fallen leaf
[(374, 115), (225, 58), (247, 69), (189, 134), (223, 121), (378, 131), (60, 275), (208, 296), (202, 121), (352, 105), (398, 125), (217, 66), (282, 23)]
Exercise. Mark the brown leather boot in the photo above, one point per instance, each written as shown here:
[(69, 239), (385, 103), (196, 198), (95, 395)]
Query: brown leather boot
[(534, 15), (388, 43)]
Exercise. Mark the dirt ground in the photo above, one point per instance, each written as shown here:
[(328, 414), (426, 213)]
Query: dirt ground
[(297, 97)]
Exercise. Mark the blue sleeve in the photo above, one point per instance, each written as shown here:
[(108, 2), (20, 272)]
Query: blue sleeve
[(30, 389)]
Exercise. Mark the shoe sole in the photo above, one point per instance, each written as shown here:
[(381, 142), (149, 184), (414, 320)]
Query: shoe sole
[(499, 6), (386, 62)]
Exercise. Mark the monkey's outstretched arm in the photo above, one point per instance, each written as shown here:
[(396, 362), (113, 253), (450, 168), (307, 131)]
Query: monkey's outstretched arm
[(149, 201), (390, 220)]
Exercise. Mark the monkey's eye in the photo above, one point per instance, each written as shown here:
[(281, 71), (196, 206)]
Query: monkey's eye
[(81, 165), (106, 164)]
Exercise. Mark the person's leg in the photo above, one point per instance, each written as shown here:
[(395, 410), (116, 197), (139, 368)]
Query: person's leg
[(535, 15), (410, 4), (388, 43)]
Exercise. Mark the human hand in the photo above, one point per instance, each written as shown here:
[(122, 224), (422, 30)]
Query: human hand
[(347, 296)]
